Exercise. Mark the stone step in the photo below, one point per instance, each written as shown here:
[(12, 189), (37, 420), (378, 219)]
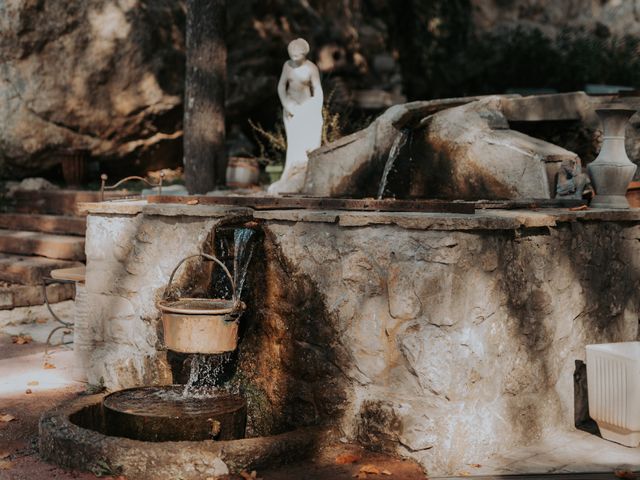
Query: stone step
[(63, 247), (12, 295), (58, 202), (29, 270), (65, 224)]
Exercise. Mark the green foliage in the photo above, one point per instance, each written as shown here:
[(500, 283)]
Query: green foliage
[(441, 56), (272, 144), (526, 58)]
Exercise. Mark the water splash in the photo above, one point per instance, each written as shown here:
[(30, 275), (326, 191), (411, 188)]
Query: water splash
[(242, 253), (398, 144), (207, 374)]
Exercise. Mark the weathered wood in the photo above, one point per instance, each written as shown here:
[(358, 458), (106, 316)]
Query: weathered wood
[(70, 225), (62, 247), (278, 203), (204, 112), (530, 203), (29, 270)]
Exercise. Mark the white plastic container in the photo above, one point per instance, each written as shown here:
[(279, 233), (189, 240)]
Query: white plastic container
[(613, 376)]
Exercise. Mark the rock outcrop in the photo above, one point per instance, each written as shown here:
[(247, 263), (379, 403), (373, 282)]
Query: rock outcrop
[(603, 17), (100, 75), (108, 75)]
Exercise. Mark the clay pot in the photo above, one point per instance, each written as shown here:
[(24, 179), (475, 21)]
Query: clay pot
[(242, 172)]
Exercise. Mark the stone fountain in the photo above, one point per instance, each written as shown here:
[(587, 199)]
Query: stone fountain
[(445, 337), (184, 431)]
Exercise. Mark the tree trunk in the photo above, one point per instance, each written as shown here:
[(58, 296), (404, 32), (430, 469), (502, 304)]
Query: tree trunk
[(204, 115)]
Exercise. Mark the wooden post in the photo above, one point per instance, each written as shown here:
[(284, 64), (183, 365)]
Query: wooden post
[(204, 114)]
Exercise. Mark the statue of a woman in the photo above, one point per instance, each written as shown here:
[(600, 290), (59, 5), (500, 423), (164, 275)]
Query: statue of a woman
[(300, 93)]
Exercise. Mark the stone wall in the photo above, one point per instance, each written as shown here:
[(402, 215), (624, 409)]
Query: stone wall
[(129, 260), (444, 338)]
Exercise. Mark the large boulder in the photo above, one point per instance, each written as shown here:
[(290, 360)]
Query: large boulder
[(465, 151), (353, 165), (102, 75), (470, 153)]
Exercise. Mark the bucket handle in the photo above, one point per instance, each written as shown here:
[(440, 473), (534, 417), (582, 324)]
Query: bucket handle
[(210, 257)]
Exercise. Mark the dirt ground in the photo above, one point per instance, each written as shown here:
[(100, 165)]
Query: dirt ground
[(22, 370)]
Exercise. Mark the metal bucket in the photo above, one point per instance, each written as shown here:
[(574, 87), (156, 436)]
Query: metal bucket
[(201, 325)]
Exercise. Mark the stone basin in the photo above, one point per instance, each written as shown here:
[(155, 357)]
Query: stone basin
[(73, 436)]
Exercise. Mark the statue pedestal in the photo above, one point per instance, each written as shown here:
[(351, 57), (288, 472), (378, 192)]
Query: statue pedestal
[(612, 171)]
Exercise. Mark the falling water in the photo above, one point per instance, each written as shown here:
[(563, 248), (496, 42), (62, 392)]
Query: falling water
[(206, 376), (398, 143), (208, 371), (242, 253)]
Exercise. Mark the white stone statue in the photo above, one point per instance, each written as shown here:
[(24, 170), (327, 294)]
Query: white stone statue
[(300, 93)]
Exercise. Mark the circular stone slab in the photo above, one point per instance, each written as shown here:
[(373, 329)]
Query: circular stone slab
[(163, 414)]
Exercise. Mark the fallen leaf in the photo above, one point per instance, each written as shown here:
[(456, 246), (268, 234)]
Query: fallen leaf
[(627, 474), (195, 202), (5, 417), (475, 465), (33, 383), (6, 465), (577, 209), (21, 339), (345, 458), (386, 472), (42, 320), (372, 469), (28, 391), (48, 366)]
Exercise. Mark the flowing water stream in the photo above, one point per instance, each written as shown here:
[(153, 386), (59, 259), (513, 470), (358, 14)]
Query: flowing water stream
[(398, 144), (242, 253), (208, 372)]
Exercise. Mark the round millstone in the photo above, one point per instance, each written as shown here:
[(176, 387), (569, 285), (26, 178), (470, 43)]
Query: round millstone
[(163, 414)]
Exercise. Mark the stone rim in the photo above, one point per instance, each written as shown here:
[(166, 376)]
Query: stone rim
[(64, 443)]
